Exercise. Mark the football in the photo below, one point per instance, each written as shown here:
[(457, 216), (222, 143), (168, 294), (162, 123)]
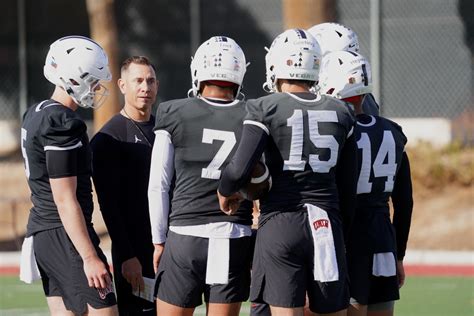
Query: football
[(260, 183)]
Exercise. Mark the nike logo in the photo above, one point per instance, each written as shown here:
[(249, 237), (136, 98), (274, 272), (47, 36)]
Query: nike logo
[(147, 309), (137, 139), (39, 108)]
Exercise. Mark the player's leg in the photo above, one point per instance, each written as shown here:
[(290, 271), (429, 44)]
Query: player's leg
[(226, 299), (181, 275), (105, 311), (63, 276), (232, 309), (259, 309), (381, 309), (56, 306), (279, 270), (339, 313), (356, 309), (384, 293), (164, 308), (286, 311)]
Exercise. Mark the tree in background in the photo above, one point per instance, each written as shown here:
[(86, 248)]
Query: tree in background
[(103, 29), (306, 13)]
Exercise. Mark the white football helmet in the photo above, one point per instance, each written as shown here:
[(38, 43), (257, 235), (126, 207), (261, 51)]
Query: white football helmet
[(219, 58), (334, 36), (78, 64), (294, 55), (345, 74)]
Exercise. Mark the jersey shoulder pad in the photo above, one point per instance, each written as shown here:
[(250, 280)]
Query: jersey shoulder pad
[(167, 114), (397, 128), (62, 128)]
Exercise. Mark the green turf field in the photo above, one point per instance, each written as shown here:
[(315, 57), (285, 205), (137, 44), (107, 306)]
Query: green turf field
[(434, 296)]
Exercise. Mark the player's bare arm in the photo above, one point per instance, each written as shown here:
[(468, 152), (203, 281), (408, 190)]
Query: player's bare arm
[(64, 194)]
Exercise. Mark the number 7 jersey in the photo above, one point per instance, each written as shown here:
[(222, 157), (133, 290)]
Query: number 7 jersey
[(204, 135)]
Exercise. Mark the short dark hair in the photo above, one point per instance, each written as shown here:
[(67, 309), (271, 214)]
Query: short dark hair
[(140, 60)]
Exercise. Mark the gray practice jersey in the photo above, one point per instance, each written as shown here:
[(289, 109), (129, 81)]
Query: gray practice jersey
[(204, 136), (54, 144), (305, 143)]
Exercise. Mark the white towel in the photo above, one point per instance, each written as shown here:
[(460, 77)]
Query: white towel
[(217, 271), (28, 268), (325, 261), (384, 264)]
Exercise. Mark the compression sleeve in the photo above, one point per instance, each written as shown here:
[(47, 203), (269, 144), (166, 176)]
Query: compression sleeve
[(161, 176), (249, 151), (402, 199), (61, 163), (346, 180)]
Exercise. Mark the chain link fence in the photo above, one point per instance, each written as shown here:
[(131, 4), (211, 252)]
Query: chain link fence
[(426, 67)]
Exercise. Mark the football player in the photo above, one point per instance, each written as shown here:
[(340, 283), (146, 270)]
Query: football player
[(309, 148), (199, 251), (335, 37), (376, 246), (57, 156), (121, 167)]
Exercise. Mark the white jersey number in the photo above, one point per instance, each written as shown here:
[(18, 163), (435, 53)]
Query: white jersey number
[(383, 166), (295, 160), (23, 152), (208, 136)]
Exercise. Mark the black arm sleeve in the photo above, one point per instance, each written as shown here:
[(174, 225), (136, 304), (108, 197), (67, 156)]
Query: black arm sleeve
[(402, 200), (239, 169), (346, 180), (106, 175), (61, 163)]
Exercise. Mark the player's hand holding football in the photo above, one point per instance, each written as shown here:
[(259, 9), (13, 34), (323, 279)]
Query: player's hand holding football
[(230, 204), (96, 272), (132, 272)]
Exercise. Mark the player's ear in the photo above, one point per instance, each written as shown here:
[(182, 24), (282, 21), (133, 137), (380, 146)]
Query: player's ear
[(121, 85), (157, 84)]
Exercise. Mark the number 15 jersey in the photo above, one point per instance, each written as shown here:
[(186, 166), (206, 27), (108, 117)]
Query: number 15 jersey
[(307, 135)]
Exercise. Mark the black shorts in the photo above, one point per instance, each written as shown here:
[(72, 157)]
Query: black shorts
[(62, 271), (282, 270), (182, 272), (366, 288)]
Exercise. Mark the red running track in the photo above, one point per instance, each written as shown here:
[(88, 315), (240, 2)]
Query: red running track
[(410, 269)]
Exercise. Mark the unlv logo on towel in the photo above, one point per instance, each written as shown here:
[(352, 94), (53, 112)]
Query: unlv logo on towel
[(103, 292), (320, 223)]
